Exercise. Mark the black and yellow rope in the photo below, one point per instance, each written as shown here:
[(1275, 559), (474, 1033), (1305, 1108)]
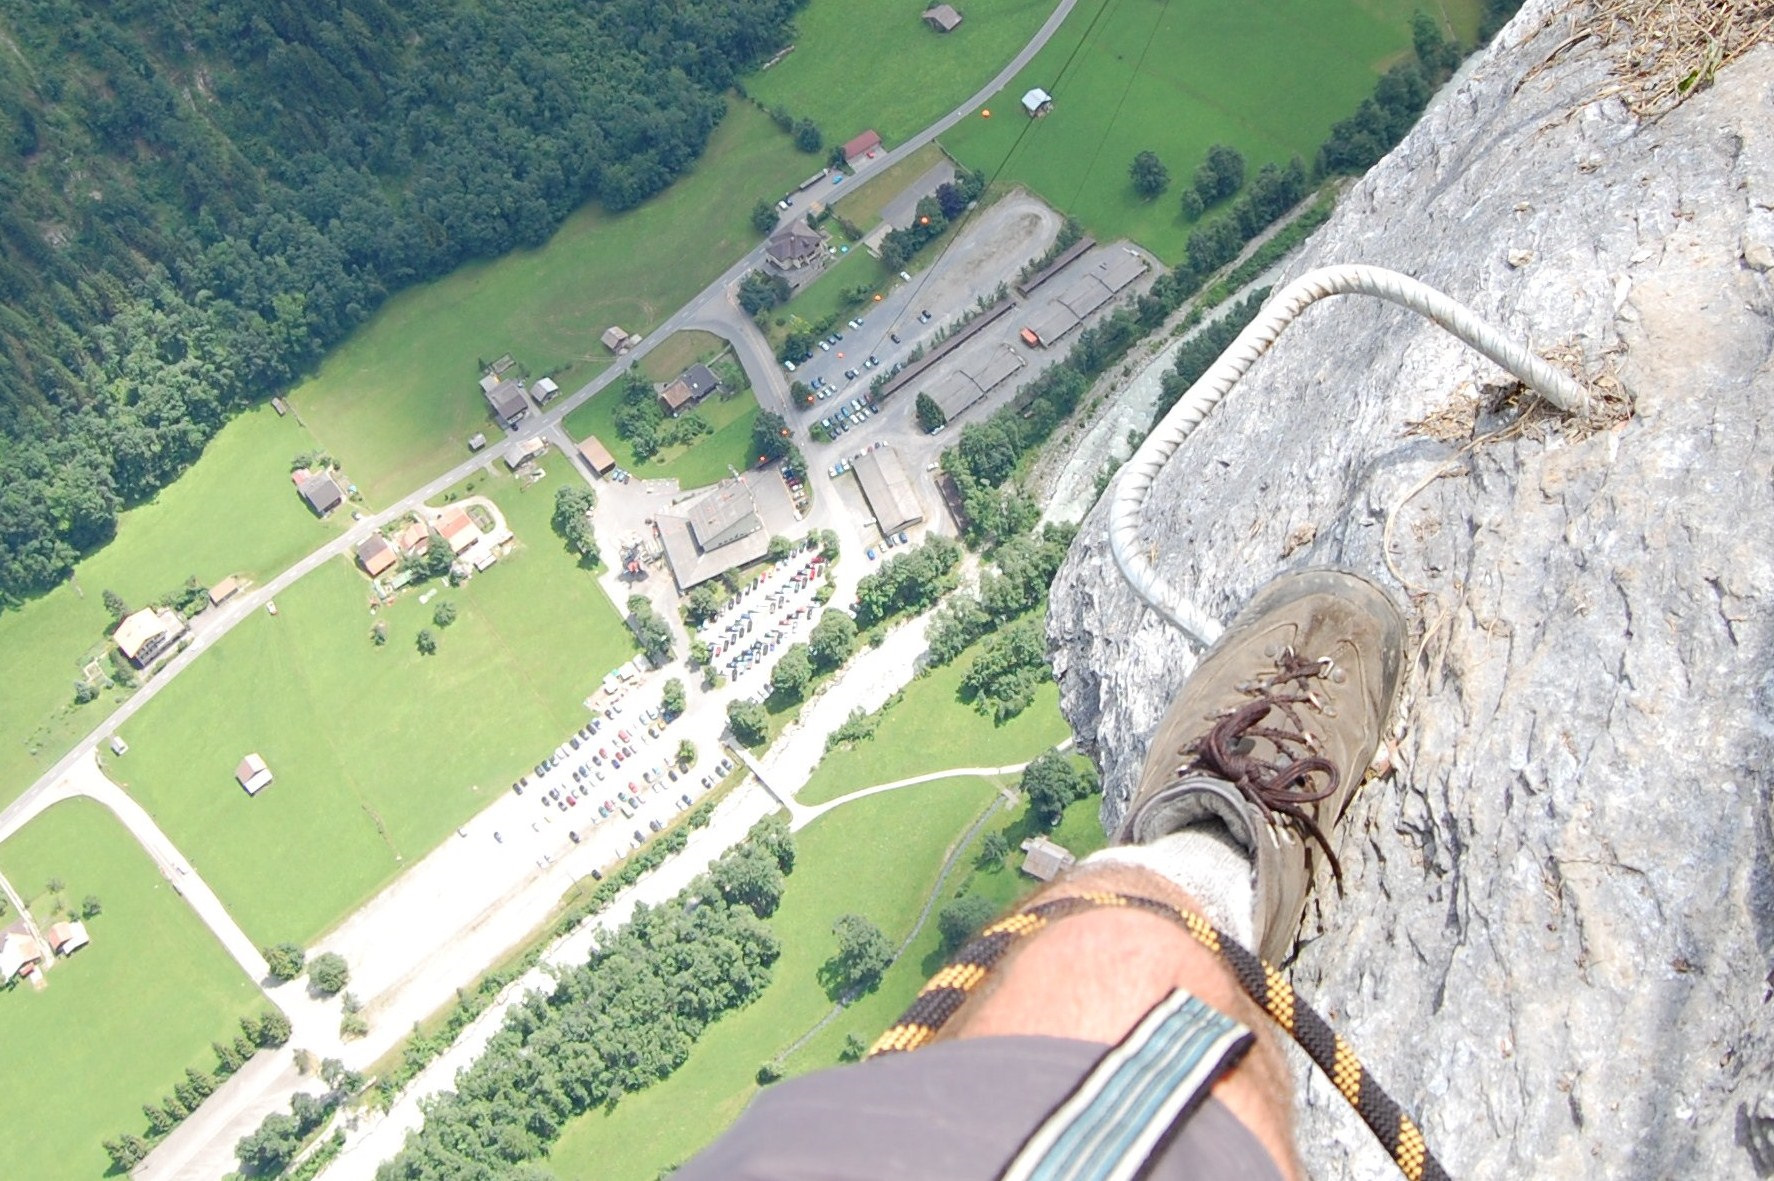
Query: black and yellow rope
[(949, 989)]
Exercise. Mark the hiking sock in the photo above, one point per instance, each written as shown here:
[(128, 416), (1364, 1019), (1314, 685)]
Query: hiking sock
[(1205, 862)]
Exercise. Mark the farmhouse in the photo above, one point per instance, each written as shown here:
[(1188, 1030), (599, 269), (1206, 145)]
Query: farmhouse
[(506, 400), (596, 456), (253, 774), (413, 538), (66, 938), (1037, 102), (1046, 860), (454, 526), (794, 246), (888, 489), (861, 146), (524, 452), (224, 590), (696, 383), (19, 953), (147, 633), (322, 492), (544, 391), (726, 528), (943, 18), (616, 339), (376, 556)]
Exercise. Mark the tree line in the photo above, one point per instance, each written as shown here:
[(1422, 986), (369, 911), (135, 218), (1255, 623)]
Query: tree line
[(201, 199)]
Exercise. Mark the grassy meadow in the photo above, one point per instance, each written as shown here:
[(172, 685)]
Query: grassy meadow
[(1268, 79), (122, 1018), (703, 462), (378, 751)]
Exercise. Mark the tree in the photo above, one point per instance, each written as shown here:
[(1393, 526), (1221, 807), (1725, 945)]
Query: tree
[(808, 137), (702, 604), (832, 641), (329, 973), (994, 849), (751, 725), (930, 415), (863, 954), (1051, 782), (426, 642), (91, 907), (770, 437), (1192, 205), (763, 216), (115, 607), (57, 885), (686, 753), (828, 544), (671, 698), (379, 633), (572, 519), (228, 1056), (1010, 665), (126, 1151), (749, 877), (780, 548), (792, 673), (268, 1149), (438, 558), (854, 1048), (961, 919), (699, 653), (273, 1029), (650, 631), (444, 613), (1149, 175), (1220, 175), (284, 960), (760, 291)]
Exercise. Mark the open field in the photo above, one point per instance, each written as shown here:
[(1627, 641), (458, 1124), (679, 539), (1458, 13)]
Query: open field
[(378, 751), (841, 866), (398, 401), (930, 730), (1268, 79), (703, 462), (678, 352), (121, 1019), (234, 512), (857, 66)]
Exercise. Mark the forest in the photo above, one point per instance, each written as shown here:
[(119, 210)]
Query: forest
[(197, 200)]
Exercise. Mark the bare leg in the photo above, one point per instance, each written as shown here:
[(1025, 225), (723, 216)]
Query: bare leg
[(1092, 976)]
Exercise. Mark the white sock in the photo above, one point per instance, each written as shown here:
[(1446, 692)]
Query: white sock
[(1204, 861)]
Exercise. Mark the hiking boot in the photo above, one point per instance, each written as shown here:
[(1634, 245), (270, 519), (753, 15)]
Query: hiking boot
[(1272, 732)]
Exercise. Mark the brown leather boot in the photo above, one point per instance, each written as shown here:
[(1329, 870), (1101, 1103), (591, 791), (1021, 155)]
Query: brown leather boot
[(1272, 732)]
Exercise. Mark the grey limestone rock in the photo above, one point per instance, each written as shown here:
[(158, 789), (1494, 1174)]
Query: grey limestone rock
[(1555, 940)]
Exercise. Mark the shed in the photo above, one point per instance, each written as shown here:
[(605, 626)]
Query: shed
[(861, 146), (544, 391), (943, 18), (322, 493), (68, 937), (1037, 103), (476, 441), (523, 452), (1046, 860), (597, 457), (224, 590), (376, 556), (888, 488), (615, 339), (118, 746), (253, 774)]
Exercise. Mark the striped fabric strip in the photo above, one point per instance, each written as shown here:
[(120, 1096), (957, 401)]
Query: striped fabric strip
[(1162, 1070)]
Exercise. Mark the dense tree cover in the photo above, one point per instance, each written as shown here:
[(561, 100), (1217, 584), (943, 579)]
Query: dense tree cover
[(962, 919), (909, 582), (1148, 174), (572, 519), (642, 421), (1053, 781), (1355, 144), (285, 960), (930, 415), (749, 722), (1220, 175), (268, 1149), (651, 632), (862, 957), (619, 1023), (203, 198), (1024, 569), (793, 673), (832, 641), (1201, 350), (760, 291), (1009, 667), (771, 439), (270, 1030), (671, 698), (329, 973), (933, 215)]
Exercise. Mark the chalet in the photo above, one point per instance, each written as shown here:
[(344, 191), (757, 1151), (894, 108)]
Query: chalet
[(455, 528), (861, 146), (146, 634), (66, 938), (413, 539), (376, 556), (544, 391), (1046, 860), (597, 457), (253, 775), (506, 400), (943, 18), (616, 339), (522, 453), (794, 246), (674, 398), (322, 493)]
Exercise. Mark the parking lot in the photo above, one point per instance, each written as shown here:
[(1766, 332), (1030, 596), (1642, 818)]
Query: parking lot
[(777, 610)]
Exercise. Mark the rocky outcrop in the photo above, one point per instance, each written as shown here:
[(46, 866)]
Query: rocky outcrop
[(1558, 924)]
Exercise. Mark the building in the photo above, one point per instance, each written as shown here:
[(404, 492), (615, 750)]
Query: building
[(224, 590), (455, 527), (66, 938), (596, 456), (694, 384), (507, 402), (943, 18), (476, 441), (413, 539), (1037, 103), (322, 492), (544, 391), (861, 146), (615, 339), (675, 397), (794, 246), (146, 634), (1046, 860), (1112, 274), (887, 487), (726, 528), (19, 952), (376, 556), (253, 774), (118, 746), (523, 452)]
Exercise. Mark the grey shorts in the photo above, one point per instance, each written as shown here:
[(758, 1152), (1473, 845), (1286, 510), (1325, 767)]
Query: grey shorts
[(956, 1109)]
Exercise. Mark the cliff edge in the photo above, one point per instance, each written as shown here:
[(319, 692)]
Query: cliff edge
[(1555, 939)]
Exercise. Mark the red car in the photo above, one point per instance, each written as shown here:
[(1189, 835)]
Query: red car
[(624, 735)]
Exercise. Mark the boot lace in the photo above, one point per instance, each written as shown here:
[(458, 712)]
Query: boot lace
[(1281, 786)]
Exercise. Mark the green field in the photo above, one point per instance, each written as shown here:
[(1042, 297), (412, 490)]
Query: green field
[(398, 400), (677, 353), (122, 1018), (235, 512), (857, 66), (862, 206), (931, 730), (1176, 78), (703, 462), (378, 751)]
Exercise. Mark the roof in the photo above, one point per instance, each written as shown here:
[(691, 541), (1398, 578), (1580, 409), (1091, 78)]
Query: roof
[(544, 389), (375, 555), (523, 452), (322, 492), (138, 630), (867, 142), (252, 774), (614, 337), (955, 393), (16, 951), (676, 396), (66, 938), (224, 590), (888, 488), (692, 565), (988, 373), (1046, 860), (507, 400), (454, 527), (796, 240), (1120, 268), (701, 380), (1035, 99), (414, 537), (943, 17), (1053, 322), (1087, 293), (724, 515), (596, 456)]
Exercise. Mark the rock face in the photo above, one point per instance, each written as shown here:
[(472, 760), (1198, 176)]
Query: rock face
[(1556, 936)]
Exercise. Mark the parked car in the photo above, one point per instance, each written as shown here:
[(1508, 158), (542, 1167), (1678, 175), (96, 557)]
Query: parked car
[(655, 825), (904, 537), (574, 836), (638, 838), (871, 553), (597, 875), (498, 837), (518, 788)]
